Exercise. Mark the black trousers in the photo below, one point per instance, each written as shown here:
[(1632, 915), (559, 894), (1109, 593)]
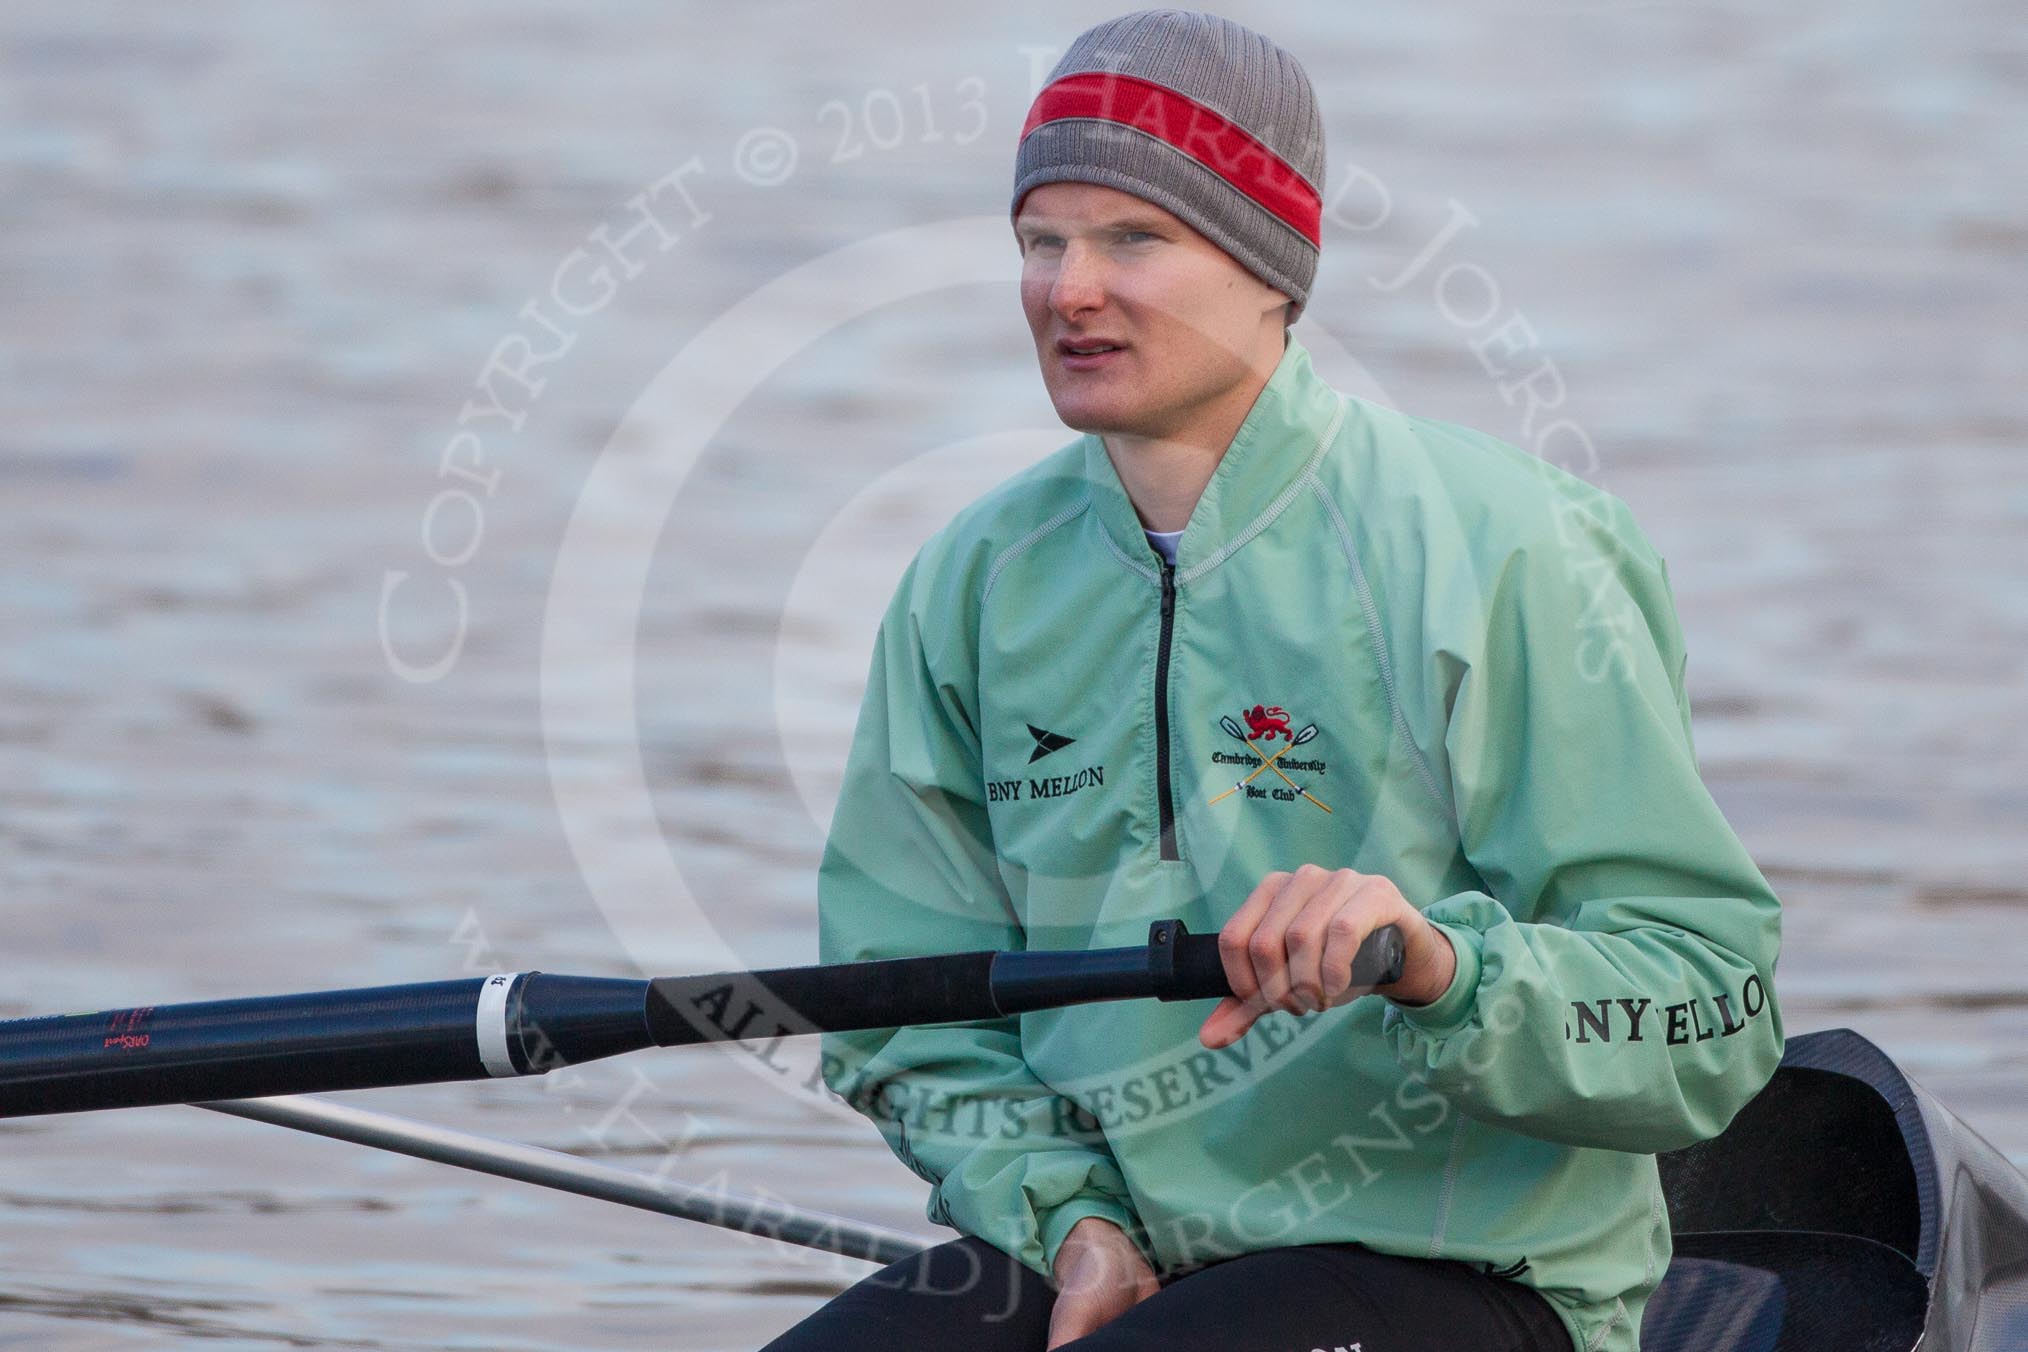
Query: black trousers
[(1311, 1298)]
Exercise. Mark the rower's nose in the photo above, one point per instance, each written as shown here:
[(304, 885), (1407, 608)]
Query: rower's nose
[(1080, 283)]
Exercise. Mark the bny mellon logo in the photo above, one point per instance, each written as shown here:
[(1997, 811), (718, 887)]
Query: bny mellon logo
[(1046, 742), (1024, 790)]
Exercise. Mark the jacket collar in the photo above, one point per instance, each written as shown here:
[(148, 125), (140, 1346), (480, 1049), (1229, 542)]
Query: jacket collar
[(1280, 439)]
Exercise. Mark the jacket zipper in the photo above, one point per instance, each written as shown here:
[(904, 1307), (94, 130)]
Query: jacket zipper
[(1167, 805)]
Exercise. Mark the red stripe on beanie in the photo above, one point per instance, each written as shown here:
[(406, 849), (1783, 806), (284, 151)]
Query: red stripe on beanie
[(1206, 135)]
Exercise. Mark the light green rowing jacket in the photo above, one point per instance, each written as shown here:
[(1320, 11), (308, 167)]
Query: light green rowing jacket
[(1466, 668)]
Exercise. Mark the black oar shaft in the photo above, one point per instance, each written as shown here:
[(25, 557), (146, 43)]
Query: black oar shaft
[(534, 1022), (272, 1045)]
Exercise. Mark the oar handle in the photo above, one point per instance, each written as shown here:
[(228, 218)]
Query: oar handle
[(958, 987), (1174, 965), (1195, 971)]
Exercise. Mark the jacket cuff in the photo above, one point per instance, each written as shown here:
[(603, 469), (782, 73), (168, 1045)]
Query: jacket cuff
[(1057, 1223), (1453, 1009)]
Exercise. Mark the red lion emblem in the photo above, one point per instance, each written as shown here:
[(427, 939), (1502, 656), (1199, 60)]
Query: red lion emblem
[(1265, 720)]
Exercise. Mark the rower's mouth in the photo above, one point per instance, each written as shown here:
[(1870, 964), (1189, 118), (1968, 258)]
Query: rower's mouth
[(1088, 353)]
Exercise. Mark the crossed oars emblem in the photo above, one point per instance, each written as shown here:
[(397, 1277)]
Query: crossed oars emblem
[(1302, 735)]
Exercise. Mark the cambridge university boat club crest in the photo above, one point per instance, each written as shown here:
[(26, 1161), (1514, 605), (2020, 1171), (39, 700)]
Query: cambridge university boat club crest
[(1257, 729)]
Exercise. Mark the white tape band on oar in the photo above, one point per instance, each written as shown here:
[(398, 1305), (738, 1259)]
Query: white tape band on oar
[(491, 1026)]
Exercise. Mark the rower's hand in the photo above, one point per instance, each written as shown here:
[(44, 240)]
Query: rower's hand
[(1290, 946), (1100, 1275)]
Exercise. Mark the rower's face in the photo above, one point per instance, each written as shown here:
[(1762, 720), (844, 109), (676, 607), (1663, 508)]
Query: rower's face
[(1191, 324)]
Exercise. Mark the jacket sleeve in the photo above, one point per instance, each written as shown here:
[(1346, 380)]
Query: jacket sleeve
[(1615, 980), (909, 869)]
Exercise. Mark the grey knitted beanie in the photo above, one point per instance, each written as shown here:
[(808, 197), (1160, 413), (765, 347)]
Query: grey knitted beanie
[(1199, 115)]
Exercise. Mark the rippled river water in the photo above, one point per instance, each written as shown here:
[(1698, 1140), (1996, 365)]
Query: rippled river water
[(255, 261)]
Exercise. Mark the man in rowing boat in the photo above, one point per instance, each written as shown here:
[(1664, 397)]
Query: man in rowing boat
[(1292, 666)]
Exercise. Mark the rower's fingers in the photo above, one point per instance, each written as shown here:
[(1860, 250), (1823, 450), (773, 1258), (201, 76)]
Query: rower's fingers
[(1234, 935), (1347, 929), (1228, 1023), (1268, 950), (1306, 940)]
